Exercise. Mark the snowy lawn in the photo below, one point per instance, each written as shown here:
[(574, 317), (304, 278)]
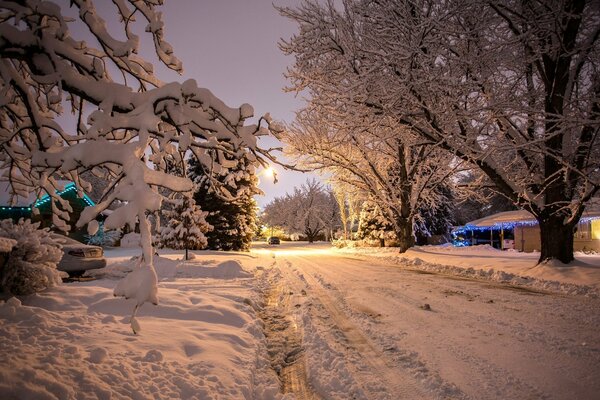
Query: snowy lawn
[(485, 262), (357, 324), (202, 341)]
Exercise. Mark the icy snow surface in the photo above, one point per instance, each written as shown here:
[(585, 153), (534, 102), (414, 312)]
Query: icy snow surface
[(434, 323)]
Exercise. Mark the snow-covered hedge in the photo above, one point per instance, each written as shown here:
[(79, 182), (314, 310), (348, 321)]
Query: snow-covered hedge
[(31, 265)]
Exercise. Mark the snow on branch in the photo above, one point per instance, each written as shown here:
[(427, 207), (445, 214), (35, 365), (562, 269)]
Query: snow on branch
[(122, 129)]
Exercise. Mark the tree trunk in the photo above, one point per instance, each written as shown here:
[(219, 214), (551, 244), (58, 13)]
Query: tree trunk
[(404, 232), (556, 240), (186, 254)]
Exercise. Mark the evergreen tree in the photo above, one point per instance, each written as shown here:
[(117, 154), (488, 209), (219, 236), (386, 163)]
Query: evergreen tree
[(372, 225), (234, 221), (436, 218), (186, 227)]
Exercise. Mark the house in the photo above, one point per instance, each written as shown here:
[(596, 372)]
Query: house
[(520, 230), (24, 207), (20, 207)]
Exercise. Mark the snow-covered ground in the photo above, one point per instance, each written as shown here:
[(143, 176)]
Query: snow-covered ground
[(582, 276), (336, 324), (203, 341)]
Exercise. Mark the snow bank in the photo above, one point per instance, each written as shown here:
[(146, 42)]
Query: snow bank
[(582, 277), (202, 341), (131, 239), (229, 269), (167, 268)]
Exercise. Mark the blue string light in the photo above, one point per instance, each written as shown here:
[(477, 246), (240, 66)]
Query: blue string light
[(507, 225)]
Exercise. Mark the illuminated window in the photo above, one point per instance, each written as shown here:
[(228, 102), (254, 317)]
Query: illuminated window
[(584, 230), (595, 228)]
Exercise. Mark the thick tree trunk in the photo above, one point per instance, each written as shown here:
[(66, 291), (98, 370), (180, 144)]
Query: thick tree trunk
[(404, 232), (556, 240)]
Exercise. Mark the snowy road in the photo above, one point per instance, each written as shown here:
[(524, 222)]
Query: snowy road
[(379, 331)]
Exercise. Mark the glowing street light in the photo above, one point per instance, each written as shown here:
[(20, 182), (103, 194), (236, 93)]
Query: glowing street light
[(269, 172)]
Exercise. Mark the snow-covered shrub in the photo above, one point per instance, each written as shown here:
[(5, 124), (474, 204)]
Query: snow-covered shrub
[(6, 244), (31, 265), (342, 243), (104, 237)]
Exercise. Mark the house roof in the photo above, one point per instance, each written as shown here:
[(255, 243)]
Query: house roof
[(506, 217), (519, 217), (32, 200)]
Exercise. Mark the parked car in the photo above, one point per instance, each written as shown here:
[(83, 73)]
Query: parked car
[(273, 240), (78, 257)]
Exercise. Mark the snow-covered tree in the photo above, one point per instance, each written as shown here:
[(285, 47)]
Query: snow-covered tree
[(186, 226), (479, 199), (310, 210), (125, 120), (104, 237), (342, 201), (372, 225), (234, 221), (511, 86), (373, 154), (31, 264)]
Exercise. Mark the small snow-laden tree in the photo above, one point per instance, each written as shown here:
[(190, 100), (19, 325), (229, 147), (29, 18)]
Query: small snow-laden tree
[(394, 169), (234, 222), (186, 226), (125, 120), (511, 86), (372, 225), (310, 210), (31, 264)]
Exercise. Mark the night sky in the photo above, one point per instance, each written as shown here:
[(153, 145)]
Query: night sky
[(230, 47)]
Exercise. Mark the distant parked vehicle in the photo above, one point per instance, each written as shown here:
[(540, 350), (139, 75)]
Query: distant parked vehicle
[(274, 240), (78, 257)]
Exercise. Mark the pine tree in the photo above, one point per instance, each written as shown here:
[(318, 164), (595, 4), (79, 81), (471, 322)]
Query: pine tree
[(372, 225), (234, 221), (186, 227)]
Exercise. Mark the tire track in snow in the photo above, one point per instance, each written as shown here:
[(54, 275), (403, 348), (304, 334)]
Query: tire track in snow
[(503, 376), (284, 341), (399, 384)]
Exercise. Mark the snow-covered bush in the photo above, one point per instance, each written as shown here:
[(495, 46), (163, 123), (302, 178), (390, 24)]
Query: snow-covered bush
[(342, 243), (31, 265), (104, 237), (186, 227)]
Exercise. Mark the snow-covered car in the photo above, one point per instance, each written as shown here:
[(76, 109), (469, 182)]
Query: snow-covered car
[(274, 240), (78, 257)]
